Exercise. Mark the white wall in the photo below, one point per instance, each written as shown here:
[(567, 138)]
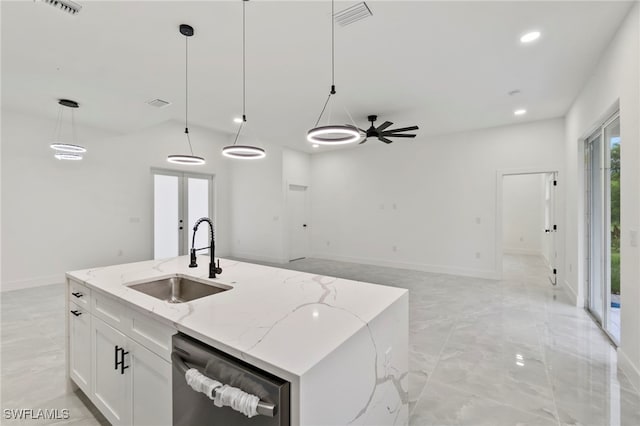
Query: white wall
[(523, 214), (417, 203), (615, 82), (258, 203), (61, 215)]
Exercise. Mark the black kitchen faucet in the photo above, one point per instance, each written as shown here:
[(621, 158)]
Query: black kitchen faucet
[(213, 269)]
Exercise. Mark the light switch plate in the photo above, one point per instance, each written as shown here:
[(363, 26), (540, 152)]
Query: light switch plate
[(633, 238)]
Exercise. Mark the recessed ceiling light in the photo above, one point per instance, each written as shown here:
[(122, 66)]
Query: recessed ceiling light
[(520, 112), (315, 145), (237, 120), (530, 36)]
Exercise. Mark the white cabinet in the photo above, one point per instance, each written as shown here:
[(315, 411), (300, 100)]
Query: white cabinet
[(111, 392), (119, 357), (132, 385), (80, 346), (150, 387)]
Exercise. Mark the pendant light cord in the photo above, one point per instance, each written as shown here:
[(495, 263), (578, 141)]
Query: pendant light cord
[(244, 72), (58, 129), (186, 92), (333, 66), (73, 127)]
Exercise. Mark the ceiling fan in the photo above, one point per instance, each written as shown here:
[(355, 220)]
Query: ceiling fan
[(382, 134)]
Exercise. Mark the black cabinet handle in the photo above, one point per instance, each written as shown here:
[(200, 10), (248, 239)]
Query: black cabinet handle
[(76, 313), (121, 362), (77, 294), (304, 225)]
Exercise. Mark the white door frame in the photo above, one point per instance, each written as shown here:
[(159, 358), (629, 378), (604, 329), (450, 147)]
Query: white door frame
[(500, 174)]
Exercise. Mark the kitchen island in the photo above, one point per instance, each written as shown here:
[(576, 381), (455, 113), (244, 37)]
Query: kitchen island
[(341, 344)]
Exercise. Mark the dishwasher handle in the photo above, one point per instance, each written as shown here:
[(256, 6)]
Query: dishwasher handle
[(264, 408)]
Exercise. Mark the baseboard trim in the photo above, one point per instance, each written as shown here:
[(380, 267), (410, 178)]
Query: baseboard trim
[(528, 252), (571, 293), (436, 269), (258, 257), (632, 371), (32, 282)]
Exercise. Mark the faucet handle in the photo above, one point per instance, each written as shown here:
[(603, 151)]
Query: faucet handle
[(193, 263), (218, 268)]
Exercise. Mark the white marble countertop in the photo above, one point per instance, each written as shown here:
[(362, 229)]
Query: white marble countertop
[(281, 320)]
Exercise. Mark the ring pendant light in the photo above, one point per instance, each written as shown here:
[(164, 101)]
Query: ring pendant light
[(334, 134), (243, 152), (67, 151), (189, 160)]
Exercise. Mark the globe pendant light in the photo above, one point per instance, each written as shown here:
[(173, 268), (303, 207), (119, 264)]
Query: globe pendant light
[(243, 152), (334, 134), (188, 160), (66, 151)]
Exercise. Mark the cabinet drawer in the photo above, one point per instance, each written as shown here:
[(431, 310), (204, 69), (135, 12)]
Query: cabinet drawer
[(110, 310), (79, 294), (151, 333)]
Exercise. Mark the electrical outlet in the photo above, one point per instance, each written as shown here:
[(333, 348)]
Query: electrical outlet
[(477, 255), (395, 207), (328, 243), (134, 220), (120, 252), (394, 248), (633, 238), (478, 220)]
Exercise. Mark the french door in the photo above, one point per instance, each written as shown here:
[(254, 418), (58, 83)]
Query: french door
[(602, 223), (179, 199)]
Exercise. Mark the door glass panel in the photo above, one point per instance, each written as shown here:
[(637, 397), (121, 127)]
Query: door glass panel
[(596, 264), (166, 214), (612, 289), (198, 206)]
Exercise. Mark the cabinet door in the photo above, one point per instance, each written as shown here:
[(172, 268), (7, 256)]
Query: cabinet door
[(111, 385), (80, 347), (151, 387)]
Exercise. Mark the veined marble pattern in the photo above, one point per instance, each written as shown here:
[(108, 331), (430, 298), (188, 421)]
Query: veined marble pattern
[(468, 338)]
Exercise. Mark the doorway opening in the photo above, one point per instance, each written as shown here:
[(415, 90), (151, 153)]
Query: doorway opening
[(529, 219), (179, 200), (297, 208), (602, 225)]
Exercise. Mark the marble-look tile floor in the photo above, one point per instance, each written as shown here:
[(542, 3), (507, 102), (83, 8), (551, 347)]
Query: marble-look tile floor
[(482, 352)]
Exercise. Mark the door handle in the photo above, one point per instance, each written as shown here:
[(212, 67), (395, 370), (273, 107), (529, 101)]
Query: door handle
[(547, 230), (117, 349)]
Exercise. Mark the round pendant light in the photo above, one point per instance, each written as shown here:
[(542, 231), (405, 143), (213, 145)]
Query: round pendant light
[(189, 160), (67, 147), (186, 160), (67, 156), (333, 134), (66, 151), (243, 152)]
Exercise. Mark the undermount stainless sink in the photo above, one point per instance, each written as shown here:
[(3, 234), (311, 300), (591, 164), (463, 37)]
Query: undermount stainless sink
[(177, 289)]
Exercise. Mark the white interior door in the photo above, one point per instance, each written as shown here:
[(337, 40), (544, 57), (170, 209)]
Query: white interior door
[(179, 200), (298, 224), (551, 228)]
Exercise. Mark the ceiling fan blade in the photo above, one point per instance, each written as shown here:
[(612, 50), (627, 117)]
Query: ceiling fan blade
[(363, 141), (385, 140), (384, 126), (399, 136), (403, 129)]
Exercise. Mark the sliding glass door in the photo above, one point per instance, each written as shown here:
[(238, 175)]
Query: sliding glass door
[(602, 223)]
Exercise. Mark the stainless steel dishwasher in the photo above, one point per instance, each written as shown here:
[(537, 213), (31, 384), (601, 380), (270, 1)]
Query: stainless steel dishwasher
[(191, 408)]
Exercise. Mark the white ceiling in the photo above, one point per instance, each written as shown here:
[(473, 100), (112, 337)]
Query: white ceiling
[(445, 66)]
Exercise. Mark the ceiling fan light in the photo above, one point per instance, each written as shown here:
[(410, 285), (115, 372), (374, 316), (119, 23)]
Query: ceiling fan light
[(334, 135), (67, 147), (190, 160), (67, 156), (244, 152)]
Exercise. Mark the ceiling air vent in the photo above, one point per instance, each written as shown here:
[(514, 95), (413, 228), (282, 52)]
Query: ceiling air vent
[(159, 103), (352, 14), (65, 5)]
